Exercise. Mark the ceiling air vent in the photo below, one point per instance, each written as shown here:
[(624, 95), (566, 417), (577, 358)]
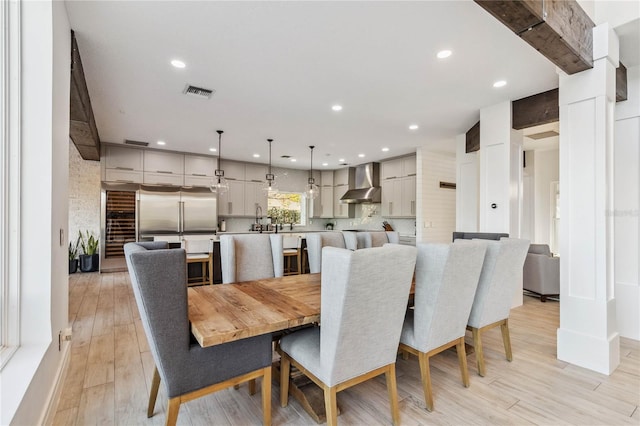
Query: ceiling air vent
[(285, 156), (137, 143), (198, 92)]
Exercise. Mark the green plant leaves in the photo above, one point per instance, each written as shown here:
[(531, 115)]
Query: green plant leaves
[(88, 242)]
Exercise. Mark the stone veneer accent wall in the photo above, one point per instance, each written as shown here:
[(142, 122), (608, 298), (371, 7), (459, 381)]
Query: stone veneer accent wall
[(84, 194)]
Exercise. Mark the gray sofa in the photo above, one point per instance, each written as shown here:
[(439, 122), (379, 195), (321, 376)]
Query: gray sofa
[(479, 235), (541, 273)]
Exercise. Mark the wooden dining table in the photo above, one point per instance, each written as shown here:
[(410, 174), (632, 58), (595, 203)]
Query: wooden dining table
[(223, 313)]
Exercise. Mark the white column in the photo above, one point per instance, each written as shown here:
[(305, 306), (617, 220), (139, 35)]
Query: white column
[(588, 334), (466, 187), (500, 171), (627, 208)]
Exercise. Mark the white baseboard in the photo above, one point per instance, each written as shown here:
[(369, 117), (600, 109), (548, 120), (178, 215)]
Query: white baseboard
[(56, 390)]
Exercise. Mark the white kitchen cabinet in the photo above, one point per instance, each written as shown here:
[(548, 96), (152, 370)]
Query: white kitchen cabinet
[(392, 169), (198, 181), (231, 203), (163, 179), (255, 172), (123, 158), (408, 189), (326, 201), (233, 169), (409, 166), (197, 165), (343, 176), (391, 198), (119, 175), (342, 210), (254, 196), (326, 178), (163, 162)]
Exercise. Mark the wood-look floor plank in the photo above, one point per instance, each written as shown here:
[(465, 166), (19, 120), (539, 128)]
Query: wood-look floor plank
[(97, 406), (109, 377), (100, 362)]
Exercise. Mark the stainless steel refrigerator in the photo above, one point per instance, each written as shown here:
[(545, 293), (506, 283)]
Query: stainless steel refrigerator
[(163, 211)]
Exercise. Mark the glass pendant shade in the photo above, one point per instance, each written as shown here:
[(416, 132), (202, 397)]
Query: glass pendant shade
[(270, 178), (219, 184), (311, 190)]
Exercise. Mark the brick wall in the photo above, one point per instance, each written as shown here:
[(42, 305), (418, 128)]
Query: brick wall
[(84, 194)]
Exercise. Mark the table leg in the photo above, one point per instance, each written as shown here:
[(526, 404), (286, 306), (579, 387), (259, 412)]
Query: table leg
[(308, 394)]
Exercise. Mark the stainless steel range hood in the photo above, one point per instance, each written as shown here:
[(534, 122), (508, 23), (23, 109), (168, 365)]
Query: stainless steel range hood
[(367, 184)]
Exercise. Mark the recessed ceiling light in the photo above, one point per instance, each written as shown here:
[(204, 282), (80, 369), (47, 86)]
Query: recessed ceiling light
[(360, 155), (337, 107), (256, 155), (500, 83), (213, 149), (444, 54), (385, 149), (293, 160), (341, 160), (161, 143), (413, 127), (325, 164), (178, 64)]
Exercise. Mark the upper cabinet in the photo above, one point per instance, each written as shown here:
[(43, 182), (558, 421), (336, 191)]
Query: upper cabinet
[(399, 187), (409, 166), (232, 169), (342, 177), (163, 162), (326, 178), (122, 164), (255, 172), (196, 165), (392, 169), (123, 158)]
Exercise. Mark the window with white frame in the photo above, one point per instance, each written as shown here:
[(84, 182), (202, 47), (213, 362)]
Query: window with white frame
[(286, 208), (9, 177)]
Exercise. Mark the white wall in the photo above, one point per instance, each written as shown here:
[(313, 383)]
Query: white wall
[(546, 170), (29, 377), (84, 195), (466, 187), (627, 208), (436, 207)]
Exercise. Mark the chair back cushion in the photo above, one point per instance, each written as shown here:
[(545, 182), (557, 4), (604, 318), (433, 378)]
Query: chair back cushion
[(247, 257), (351, 241), (540, 249), (315, 242), (364, 297), (500, 279), (446, 281)]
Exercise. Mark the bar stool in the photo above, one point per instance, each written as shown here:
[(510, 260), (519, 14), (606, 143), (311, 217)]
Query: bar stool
[(291, 248), (200, 251)]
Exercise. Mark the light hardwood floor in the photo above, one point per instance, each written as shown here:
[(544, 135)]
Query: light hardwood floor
[(110, 373)]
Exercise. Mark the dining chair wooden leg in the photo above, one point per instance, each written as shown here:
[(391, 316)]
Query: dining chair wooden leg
[(172, 411), (285, 370), (462, 360), (252, 387), (331, 405), (477, 347), (392, 388), (155, 385), (425, 373), (405, 355), (506, 339), (266, 396), (299, 262)]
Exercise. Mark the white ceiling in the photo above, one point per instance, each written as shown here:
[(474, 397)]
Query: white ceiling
[(278, 67)]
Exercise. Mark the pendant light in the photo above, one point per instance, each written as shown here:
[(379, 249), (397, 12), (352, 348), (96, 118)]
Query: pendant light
[(219, 184), (270, 178), (311, 190)]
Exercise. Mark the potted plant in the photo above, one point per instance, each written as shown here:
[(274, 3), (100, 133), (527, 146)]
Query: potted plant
[(73, 257), (89, 260)]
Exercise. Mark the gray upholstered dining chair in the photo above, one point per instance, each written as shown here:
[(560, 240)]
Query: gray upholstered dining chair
[(316, 241), (247, 257), (446, 281), (499, 281), (364, 296), (188, 371), (368, 239)]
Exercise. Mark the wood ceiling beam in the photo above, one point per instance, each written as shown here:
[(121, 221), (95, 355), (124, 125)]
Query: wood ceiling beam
[(534, 110), (621, 83), (473, 139), (82, 127), (559, 29)]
